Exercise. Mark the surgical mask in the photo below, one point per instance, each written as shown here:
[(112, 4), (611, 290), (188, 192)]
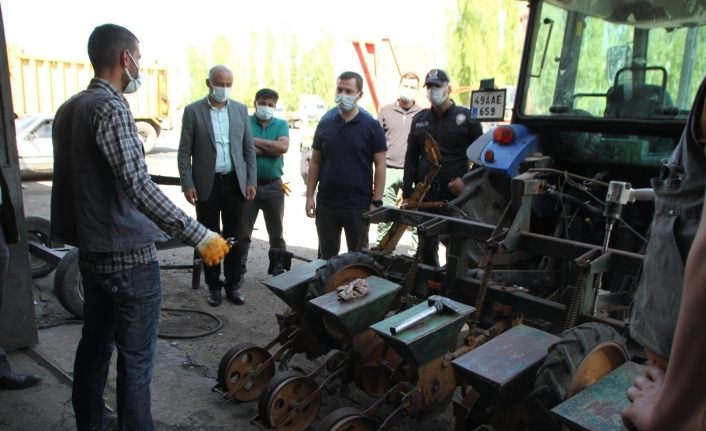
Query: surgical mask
[(220, 94), (437, 95), (346, 102), (264, 112), (133, 83), (407, 94)]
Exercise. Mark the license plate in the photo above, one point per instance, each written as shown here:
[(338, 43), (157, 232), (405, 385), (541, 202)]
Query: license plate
[(488, 105)]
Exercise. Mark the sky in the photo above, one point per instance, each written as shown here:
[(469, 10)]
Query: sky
[(165, 28), (416, 28)]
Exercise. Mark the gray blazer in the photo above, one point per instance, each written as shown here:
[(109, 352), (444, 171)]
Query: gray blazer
[(196, 157)]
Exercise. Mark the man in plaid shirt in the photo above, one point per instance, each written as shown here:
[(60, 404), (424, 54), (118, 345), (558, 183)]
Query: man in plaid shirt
[(104, 203)]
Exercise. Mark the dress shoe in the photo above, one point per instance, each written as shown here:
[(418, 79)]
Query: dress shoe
[(235, 296), (214, 297), (19, 381), (110, 424)]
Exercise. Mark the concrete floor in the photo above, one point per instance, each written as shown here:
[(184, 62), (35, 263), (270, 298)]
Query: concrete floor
[(185, 370)]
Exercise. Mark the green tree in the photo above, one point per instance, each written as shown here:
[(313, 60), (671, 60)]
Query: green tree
[(196, 65), (269, 60), (484, 41)]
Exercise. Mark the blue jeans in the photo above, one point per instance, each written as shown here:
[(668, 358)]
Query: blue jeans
[(120, 308)]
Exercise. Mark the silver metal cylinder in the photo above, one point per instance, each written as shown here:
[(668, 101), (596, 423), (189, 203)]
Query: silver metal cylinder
[(411, 321)]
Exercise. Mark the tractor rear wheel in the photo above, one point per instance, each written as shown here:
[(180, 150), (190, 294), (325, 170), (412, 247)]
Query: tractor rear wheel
[(585, 354), (489, 195), (343, 269)]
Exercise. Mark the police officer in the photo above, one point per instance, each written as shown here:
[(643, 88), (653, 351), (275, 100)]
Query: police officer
[(452, 128)]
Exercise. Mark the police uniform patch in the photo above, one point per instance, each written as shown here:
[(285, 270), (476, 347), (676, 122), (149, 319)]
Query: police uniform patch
[(460, 118)]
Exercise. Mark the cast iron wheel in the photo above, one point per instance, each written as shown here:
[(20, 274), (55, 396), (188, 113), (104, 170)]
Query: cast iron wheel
[(489, 194), (584, 355), (39, 230), (67, 284), (343, 269), (240, 363), (347, 419), (282, 395), (375, 360)]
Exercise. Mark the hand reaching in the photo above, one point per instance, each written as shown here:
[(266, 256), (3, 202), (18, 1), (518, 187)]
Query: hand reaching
[(213, 248)]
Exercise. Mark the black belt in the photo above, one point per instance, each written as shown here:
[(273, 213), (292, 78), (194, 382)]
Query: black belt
[(267, 182), (221, 175)]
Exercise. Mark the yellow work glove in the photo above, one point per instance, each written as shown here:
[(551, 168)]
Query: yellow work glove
[(285, 188), (212, 248)]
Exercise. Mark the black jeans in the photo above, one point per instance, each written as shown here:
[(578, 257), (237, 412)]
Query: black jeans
[(224, 205), (269, 199), (329, 223), (430, 251)]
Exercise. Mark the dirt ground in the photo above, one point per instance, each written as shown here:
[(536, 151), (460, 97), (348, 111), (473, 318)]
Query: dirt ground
[(186, 368)]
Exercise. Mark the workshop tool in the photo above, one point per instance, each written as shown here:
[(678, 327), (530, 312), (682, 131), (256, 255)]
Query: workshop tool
[(621, 193), (437, 304)]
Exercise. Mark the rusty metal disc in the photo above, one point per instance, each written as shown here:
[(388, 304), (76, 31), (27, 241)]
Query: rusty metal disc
[(600, 361), (372, 371), (240, 363), (347, 419), (284, 395), (347, 274)]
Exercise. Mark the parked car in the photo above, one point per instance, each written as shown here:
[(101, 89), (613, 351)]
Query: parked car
[(34, 144)]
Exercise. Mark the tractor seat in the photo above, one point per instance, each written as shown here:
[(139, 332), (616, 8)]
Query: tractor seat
[(636, 101)]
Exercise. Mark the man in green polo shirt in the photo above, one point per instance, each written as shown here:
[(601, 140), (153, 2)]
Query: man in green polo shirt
[(271, 137)]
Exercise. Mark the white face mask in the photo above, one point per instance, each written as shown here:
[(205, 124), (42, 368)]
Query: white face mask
[(407, 94), (220, 94), (345, 102), (264, 112), (133, 83), (437, 95)]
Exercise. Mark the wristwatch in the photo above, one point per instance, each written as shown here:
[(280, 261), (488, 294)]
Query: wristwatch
[(377, 203)]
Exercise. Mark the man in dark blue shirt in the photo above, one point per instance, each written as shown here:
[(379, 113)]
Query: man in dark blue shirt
[(347, 144), (452, 128)]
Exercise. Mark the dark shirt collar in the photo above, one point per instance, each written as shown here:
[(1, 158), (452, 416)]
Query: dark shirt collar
[(105, 85), (444, 114)]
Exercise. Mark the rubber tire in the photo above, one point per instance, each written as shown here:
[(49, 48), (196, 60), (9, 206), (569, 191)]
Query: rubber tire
[(67, 284), (489, 195), (39, 229), (148, 135), (565, 356), (323, 274)]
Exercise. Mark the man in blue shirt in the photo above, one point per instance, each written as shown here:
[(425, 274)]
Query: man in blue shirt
[(346, 145)]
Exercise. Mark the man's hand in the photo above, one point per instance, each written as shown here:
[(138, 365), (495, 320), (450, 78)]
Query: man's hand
[(643, 395), (285, 188), (250, 192), (213, 248), (310, 207), (456, 186), (190, 195)]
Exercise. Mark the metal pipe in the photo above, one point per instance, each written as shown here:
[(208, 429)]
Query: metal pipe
[(419, 317)]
